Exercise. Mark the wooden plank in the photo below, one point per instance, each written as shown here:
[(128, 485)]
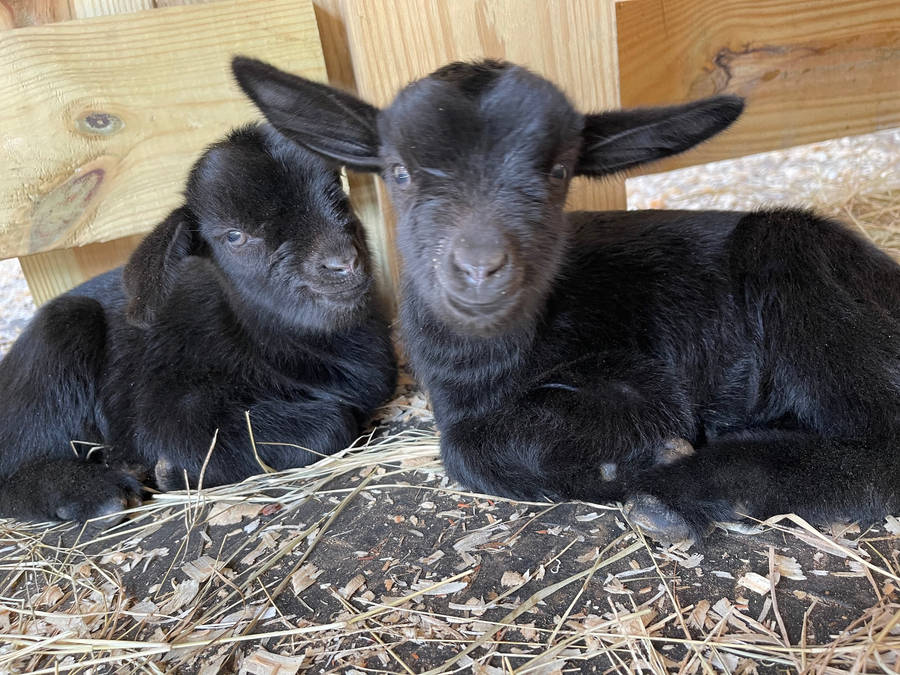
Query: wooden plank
[(571, 42), (53, 272), (810, 70), (106, 115), (16, 13), (89, 8)]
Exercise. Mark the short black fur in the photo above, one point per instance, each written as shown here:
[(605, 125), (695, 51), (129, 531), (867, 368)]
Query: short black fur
[(255, 295), (569, 355)]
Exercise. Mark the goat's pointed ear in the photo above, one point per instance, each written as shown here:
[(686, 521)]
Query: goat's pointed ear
[(320, 118), (618, 140), (152, 268)]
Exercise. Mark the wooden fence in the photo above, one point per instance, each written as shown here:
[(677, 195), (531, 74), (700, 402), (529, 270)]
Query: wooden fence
[(106, 103)]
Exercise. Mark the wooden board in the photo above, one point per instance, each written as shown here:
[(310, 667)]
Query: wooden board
[(53, 272), (104, 116), (810, 70), (572, 42)]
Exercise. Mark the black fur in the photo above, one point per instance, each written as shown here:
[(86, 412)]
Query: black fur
[(565, 354), (151, 360)]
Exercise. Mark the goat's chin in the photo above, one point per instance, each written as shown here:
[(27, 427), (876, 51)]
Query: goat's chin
[(481, 320), (337, 314)]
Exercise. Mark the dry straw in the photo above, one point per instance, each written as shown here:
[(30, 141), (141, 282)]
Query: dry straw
[(67, 608)]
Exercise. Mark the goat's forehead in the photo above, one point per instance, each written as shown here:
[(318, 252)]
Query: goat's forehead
[(516, 112)]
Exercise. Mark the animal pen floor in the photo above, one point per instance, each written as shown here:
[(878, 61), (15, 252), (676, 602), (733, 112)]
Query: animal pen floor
[(371, 561)]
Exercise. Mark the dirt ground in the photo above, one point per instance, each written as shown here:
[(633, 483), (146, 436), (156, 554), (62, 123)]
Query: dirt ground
[(373, 562)]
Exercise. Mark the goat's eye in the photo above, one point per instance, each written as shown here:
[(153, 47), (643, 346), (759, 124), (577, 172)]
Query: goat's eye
[(235, 237), (559, 172), (400, 174)]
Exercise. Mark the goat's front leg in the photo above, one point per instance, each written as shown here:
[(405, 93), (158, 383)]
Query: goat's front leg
[(70, 489), (285, 434), (766, 472), (575, 434)]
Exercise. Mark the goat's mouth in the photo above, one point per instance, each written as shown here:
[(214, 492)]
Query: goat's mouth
[(350, 294), (479, 316)]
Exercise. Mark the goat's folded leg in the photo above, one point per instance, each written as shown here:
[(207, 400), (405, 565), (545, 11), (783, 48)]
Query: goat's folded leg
[(49, 381), (286, 434), (759, 474), (70, 489), (568, 442)]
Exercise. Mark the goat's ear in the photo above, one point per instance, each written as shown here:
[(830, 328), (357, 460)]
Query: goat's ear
[(152, 268), (320, 118), (617, 140)]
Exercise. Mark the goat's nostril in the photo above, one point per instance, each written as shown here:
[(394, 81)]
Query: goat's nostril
[(341, 264), (478, 266)]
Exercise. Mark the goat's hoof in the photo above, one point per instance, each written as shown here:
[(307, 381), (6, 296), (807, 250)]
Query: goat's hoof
[(656, 520), (99, 498), (673, 450), (168, 477)]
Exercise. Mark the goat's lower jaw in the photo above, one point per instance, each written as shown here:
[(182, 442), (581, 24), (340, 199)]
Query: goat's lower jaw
[(477, 319)]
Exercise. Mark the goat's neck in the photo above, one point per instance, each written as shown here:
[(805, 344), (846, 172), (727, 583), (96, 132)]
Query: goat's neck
[(474, 373), (273, 337)]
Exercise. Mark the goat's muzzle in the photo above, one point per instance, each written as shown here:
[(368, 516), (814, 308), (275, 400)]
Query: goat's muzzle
[(479, 279)]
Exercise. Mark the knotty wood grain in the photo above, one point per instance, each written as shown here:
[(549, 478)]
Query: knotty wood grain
[(810, 70), (104, 116)]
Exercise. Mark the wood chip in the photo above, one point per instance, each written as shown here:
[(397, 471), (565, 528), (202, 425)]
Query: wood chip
[(184, 593), (144, 608), (692, 561), (433, 558), (352, 586), (304, 578), (511, 578), (756, 583), (588, 517), (590, 556), (202, 568), (892, 525), (223, 513), (697, 618), (472, 540), (48, 597), (262, 662), (441, 589), (788, 568)]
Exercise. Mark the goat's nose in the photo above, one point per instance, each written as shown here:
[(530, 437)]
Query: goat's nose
[(342, 263), (478, 263)]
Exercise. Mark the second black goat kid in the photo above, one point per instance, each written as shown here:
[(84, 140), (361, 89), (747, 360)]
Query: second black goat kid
[(567, 354), (254, 296)]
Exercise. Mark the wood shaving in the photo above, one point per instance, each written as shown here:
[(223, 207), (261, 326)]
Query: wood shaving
[(756, 583), (304, 578)]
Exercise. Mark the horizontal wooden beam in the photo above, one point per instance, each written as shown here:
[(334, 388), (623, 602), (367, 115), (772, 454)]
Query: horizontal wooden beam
[(810, 70), (103, 117)]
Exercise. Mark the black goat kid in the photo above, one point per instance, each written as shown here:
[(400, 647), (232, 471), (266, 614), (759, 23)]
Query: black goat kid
[(567, 354), (253, 296)]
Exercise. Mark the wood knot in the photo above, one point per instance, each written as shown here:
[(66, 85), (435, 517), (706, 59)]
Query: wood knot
[(56, 213), (98, 123)]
